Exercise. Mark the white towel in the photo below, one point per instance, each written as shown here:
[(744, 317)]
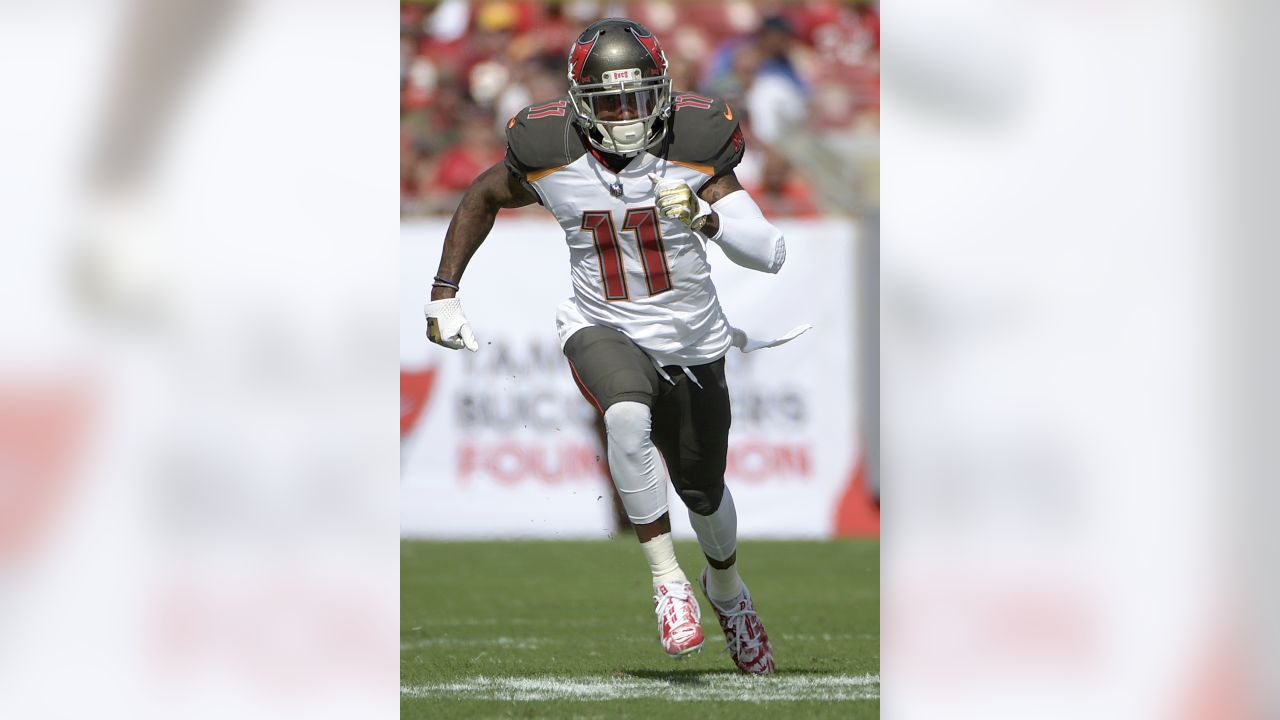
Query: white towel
[(748, 344)]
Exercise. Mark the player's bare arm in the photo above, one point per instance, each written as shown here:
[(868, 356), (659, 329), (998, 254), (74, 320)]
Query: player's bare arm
[(714, 190), (495, 189), (719, 186)]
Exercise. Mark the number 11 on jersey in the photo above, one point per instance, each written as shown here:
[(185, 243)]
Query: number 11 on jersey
[(653, 253)]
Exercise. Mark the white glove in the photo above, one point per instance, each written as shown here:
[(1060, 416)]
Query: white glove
[(675, 199), (447, 326)]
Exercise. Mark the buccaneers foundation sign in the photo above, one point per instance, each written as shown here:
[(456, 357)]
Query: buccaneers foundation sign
[(500, 443)]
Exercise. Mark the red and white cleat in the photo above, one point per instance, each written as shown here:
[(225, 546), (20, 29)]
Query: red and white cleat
[(748, 642), (678, 618)]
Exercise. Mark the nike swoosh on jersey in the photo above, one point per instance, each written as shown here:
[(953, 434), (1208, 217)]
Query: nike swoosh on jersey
[(728, 112)]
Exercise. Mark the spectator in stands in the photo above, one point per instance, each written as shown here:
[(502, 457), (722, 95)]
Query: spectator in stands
[(778, 98), (782, 193), (758, 73), (732, 84), (478, 149), (538, 80), (408, 161), (818, 67)]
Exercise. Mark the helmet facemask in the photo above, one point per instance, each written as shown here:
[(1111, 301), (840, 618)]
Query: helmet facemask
[(622, 114)]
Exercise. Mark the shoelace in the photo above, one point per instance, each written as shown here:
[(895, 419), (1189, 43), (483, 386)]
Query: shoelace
[(738, 620), (681, 612)]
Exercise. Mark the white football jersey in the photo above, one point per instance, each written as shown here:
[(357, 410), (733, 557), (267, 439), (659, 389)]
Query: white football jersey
[(637, 272)]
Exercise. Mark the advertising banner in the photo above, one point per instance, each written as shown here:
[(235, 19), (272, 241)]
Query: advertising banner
[(501, 443)]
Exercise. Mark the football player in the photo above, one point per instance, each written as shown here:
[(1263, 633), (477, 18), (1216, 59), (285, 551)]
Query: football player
[(640, 178)]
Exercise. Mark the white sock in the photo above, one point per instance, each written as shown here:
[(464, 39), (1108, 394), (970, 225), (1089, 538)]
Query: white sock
[(634, 463), (717, 532), (661, 554), (723, 585)]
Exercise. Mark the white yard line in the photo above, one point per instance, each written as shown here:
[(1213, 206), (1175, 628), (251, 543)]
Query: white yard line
[(694, 687)]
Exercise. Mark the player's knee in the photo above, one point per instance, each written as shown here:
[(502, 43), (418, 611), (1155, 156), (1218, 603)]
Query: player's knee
[(627, 425), (704, 500)]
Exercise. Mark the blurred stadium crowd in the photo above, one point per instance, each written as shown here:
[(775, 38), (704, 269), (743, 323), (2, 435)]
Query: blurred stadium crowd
[(804, 78)]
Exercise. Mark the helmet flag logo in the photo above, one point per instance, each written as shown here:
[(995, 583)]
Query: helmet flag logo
[(650, 44), (578, 58)]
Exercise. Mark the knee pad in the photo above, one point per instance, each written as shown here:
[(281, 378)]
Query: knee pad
[(702, 499), (627, 424), (634, 462)]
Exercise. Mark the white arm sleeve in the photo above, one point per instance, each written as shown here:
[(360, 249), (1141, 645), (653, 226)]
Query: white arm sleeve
[(746, 237)]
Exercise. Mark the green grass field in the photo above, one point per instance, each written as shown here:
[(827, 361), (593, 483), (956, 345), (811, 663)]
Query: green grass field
[(566, 629)]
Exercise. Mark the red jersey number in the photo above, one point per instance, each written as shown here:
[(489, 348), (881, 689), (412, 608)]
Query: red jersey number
[(653, 253)]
